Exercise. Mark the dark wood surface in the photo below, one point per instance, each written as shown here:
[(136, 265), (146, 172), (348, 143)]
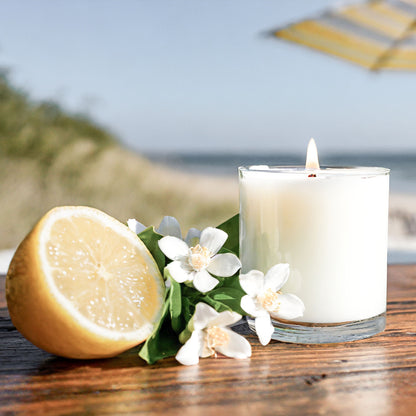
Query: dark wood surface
[(376, 376)]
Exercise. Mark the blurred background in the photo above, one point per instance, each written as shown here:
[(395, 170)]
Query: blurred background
[(144, 109)]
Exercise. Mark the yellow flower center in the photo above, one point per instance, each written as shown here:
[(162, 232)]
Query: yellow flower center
[(199, 258), (269, 300), (217, 337)]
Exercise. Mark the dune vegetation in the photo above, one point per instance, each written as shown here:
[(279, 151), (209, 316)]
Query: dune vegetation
[(50, 158)]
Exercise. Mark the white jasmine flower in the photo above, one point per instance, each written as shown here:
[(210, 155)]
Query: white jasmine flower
[(211, 335), (196, 263), (168, 226), (264, 299)]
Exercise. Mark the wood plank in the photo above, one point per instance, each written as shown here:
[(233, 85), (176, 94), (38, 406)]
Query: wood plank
[(376, 376)]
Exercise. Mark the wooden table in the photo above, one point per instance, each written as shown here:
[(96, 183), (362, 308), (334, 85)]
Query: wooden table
[(376, 376)]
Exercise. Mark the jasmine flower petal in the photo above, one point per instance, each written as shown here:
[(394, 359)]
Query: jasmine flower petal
[(224, 265), (169, 226), (203, 315), (264, 328), (213, 239), (251, 307), (189, 353), (276, 277), (225, 318), (237, 346), (179, 272), (204, 282), (173, 247), (290, 307), (252, 282)]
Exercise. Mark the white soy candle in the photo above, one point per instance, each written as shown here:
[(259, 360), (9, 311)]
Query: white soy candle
[(330, 225)]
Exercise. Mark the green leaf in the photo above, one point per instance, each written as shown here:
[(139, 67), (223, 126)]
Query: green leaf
[(150, 239), (230, 297), (231, 227), (188, 308), (216, 304), (232, 281), (175, 304), (163, 342), (225, 296)]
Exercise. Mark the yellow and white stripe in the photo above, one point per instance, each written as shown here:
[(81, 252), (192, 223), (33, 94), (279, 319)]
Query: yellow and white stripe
[(403, 56), (376, 34)]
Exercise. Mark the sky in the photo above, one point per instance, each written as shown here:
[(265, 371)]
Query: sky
[(200, 76)]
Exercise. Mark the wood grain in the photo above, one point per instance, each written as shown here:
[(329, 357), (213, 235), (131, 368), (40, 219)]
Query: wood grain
[(376, 376)]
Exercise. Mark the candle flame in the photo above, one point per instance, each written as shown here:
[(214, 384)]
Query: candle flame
[(312, 161)]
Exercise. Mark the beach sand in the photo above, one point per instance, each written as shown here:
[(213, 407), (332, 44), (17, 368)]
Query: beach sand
[(402, 222)]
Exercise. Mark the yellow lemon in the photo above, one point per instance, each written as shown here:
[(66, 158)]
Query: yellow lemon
[(82, 285)]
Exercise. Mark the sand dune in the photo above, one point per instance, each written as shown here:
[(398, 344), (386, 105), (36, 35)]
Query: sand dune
[(117, 181)]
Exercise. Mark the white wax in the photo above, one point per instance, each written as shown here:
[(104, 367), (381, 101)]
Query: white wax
[(331, 229)]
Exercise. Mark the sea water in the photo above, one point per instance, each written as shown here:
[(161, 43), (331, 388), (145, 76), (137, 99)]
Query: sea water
[(402, 165)]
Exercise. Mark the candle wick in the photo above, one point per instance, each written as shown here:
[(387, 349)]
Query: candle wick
[(312, 175)]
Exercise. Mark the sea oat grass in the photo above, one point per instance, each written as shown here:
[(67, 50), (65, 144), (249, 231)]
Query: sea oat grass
[(50, 158)]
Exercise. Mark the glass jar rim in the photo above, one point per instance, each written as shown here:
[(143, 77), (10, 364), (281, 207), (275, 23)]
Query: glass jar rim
[(326, 170)]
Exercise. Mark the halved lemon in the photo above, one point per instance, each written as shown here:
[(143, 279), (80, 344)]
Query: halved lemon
[(82, 285)]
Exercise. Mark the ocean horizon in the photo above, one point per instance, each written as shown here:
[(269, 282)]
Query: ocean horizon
[(402, 165)]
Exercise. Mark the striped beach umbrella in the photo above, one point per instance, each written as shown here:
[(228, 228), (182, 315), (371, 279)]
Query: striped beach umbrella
[(377, 34)]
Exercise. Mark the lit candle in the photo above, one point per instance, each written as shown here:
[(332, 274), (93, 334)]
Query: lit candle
[(330, 225)]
